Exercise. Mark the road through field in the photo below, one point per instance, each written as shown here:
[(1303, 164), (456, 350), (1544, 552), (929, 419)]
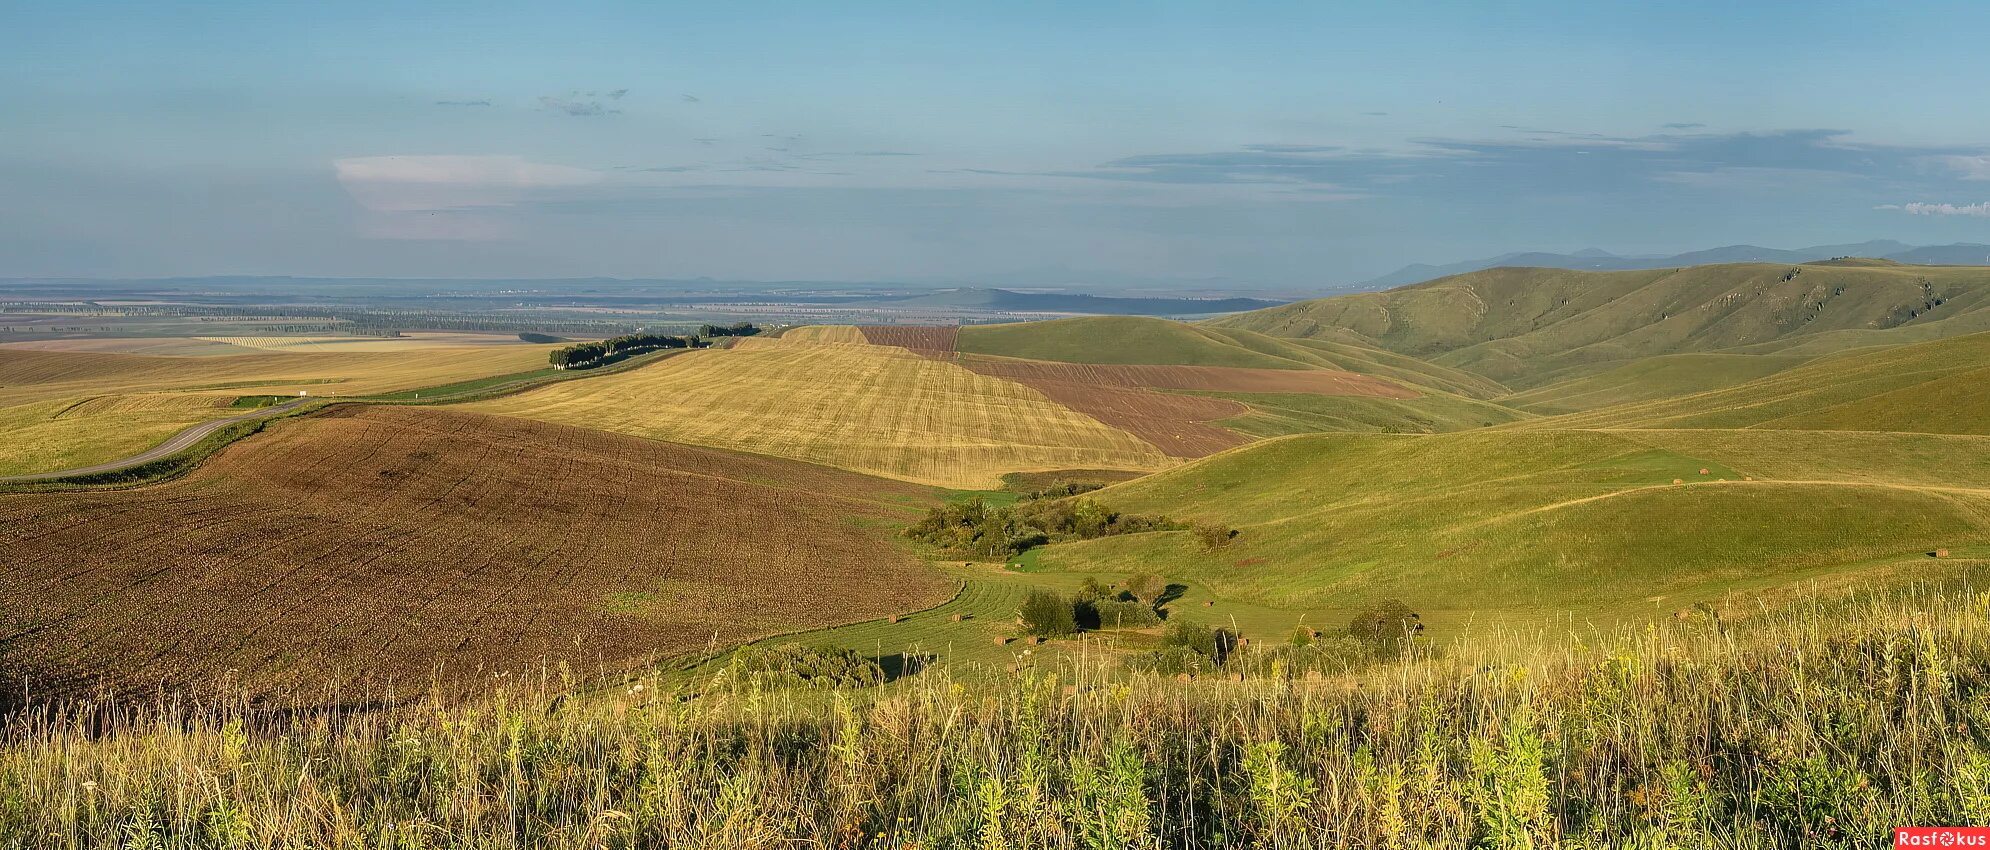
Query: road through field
[(178, 443)]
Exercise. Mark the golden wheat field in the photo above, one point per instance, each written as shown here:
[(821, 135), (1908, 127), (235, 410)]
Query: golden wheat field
[(876, 409), (824, 333), (335, 344), (60, 409)]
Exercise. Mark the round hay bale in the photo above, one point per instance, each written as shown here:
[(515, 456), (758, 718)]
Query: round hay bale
[(959, 617), (1678, 480), (1939, 553), (1002, 640), (1682, 614), (1704, 471), (894, 619), (1208, 603), (1036, 640)]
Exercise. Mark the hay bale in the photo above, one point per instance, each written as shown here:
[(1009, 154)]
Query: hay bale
[(1002, 640), (1682, 614), (1208, 603), (1939, 553), (1704, 471), (1678, 480), (959, 617), (1035, 640), (894, 619)]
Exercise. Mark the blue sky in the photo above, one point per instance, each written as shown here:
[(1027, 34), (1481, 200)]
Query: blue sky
[(1287, 145)]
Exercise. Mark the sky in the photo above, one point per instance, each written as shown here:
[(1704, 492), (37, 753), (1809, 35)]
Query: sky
[(1286, 145)]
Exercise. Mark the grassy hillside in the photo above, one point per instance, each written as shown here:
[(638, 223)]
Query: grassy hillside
[(1279, 414), (1133, 340), (1493, 521), (1661, 377), (1527, 326), (1932, 387)]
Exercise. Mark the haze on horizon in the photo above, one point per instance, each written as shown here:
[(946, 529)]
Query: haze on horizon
[(1283, 144)]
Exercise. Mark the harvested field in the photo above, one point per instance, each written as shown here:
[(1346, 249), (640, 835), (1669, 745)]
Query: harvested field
[(1175, 423), (871, 408), (391, 542), (1119, 395), (176, 346), (61, 409), (333, 344), (819, 333), (922, 339)]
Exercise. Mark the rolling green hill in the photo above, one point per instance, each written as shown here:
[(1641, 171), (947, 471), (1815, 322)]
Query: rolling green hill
[(1526, 327), (1652, 378), (1136, 340), (1938, 387), (1515, 521)]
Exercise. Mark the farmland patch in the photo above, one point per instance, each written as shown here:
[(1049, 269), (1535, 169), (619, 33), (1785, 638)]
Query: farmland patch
[(405, 543)]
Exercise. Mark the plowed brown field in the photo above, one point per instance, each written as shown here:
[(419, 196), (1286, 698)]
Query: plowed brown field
[(1121, 396), (387, 543), (925, 340)]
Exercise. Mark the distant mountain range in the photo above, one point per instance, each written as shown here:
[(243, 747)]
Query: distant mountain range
[(1592, 259)]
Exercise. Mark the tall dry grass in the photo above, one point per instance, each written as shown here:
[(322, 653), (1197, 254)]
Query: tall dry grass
[(1823, 725)]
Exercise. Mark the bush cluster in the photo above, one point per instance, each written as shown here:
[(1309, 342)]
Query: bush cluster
[(1386, 631), (792, 665), (977, 528)]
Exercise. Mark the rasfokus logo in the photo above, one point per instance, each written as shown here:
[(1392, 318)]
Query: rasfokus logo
[(1942, 836)]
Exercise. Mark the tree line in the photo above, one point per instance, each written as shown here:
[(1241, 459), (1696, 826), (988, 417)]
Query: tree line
[(734, 329), (587, 355)]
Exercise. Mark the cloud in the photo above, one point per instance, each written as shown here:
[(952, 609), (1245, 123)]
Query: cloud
[(1375, 114), (1293, 148), (1682, 126), (688, 98), (582, 104), (452, 197), (462, 103), (1981, 210), (1564, 164), (1967, 167)]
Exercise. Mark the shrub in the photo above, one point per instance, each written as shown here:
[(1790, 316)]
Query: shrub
[(1146, 587), (792, 665), (1216, 644), (1214, 536), (1047, 614), (1388, 629), (1123, 614)]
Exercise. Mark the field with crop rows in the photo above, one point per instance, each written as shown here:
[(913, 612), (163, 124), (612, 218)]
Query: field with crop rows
[(388, 542), (61, 409), (875, 409), (935, 340)]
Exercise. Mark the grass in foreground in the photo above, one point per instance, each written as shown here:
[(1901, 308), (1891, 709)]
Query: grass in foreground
[(1822, 725)]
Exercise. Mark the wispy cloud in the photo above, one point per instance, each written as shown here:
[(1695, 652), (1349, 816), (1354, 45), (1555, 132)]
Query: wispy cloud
[(1968, 167), (447, 197), (462, 103), (691, 98), (1683, 125), (582, 103), (1981, 210)]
